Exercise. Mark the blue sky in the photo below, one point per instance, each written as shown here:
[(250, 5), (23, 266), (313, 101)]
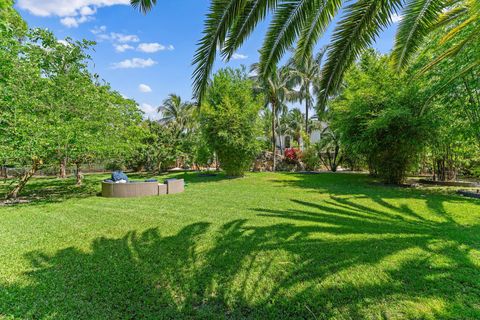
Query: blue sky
[(144, 57)]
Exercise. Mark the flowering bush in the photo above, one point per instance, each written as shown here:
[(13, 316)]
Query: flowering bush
[(293, 154)]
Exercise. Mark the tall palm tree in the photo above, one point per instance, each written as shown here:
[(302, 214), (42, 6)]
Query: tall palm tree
[(274, 88), (295, 124), (176, 113), (304, 74), (302, 22)]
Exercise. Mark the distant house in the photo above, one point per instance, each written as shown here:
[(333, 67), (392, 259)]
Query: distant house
[(287, 141)]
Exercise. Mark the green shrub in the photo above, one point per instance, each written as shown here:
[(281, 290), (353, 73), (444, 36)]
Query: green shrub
[(310, 158), (229, 120), (379, 119)]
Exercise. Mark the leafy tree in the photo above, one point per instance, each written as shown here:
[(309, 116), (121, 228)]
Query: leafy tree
[(52, 108), (378, 117), (11, 23), (450, 91), (157, 149), (229, 120), (27, 122)]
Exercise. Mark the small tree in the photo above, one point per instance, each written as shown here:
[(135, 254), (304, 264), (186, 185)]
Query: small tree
[(378, 117), (229, 120), (329, 150)]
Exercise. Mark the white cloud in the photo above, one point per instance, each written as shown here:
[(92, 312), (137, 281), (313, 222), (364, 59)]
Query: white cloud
[(396, 18), (72, 12), (63, 8), (64, 42), (115, 37), (144, 88), (153, 47), (87, 11), (73, 22), (120, 37), (98, 30), (238, 56), (122, 47), (134, 63), (149, 110)]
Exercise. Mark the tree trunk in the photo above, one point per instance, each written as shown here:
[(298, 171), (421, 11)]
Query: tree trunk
[(307, 106), (63, 168), (13, 194), (274, 142), (79, 175), (4, 172), (279, 134), (159, 167)]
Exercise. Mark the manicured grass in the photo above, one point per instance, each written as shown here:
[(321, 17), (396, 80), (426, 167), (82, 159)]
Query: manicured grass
[(327, 246)]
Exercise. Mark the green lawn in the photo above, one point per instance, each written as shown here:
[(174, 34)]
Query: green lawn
[(327, 246)]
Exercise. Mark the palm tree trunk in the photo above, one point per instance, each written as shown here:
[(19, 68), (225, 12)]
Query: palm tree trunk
[(307, 106), (279, 134), (274, 142)]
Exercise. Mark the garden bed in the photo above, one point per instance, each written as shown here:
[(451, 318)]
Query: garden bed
[(469, 193), (450, 183)]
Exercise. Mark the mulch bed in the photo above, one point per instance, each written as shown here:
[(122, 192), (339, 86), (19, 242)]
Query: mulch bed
[(471, 194)]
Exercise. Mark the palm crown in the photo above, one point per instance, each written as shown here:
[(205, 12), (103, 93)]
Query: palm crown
[(302, 22), (176, 113)]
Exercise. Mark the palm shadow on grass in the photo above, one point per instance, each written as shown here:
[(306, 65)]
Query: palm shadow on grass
[(282, 270)]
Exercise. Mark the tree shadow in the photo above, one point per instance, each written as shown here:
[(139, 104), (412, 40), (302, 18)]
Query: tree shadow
[(332, 260), (45, 190), (49, 190)]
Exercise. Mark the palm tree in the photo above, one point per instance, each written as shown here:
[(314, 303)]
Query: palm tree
[(295, 124), (304, 74), (230, 22), (176, 113), (274, 87)]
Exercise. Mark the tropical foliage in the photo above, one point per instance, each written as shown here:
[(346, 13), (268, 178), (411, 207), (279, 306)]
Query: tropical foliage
[(52, 110), (301, 23), (229, 120)]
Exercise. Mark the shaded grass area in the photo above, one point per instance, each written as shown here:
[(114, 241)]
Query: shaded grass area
[(327, 246)]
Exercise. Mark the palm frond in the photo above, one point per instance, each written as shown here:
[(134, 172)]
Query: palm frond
[(418, 18), (254, 12), (314, 28), (451, 51), (288, 21), (143, 5), (456, 76), (453, 32), (450, 15), (362, 22), (320, 55), (222, 16)]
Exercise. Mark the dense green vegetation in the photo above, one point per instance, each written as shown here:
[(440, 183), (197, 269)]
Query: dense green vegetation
[(267, 245), (270, 245), (229, 120), (300, 24), (52, 109)]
